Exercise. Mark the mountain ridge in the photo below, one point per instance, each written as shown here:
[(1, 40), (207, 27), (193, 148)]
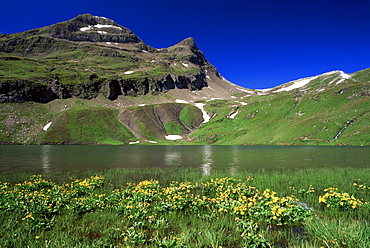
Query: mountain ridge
[(101, 42), (89, 80)]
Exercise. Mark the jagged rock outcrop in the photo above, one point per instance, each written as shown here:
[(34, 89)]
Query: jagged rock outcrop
[(144, 86), (24, 90), (47, 90)]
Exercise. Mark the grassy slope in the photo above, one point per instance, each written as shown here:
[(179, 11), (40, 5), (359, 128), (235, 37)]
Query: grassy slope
[(313, 118), (76, 62), (278, 119), (78, 121), (20, 123), (93, 125)]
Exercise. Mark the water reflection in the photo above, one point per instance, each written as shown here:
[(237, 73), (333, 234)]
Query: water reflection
[(172, 156), (207, 160), (235, 157), (235, 160), (45, 158)]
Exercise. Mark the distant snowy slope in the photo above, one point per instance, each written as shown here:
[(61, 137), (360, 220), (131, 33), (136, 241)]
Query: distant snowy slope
[(304, 81)]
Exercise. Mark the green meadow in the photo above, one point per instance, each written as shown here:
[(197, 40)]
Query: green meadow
[(327, 207)]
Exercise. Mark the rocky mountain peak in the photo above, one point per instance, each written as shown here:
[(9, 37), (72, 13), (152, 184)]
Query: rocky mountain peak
[(91, 28), (188, 46), (188, 42), (88, 19)]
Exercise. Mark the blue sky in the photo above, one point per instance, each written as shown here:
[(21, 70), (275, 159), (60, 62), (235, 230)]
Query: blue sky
[(255, 44)]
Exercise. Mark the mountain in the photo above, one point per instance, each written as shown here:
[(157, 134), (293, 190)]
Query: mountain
[(90, 80), (91, 55)]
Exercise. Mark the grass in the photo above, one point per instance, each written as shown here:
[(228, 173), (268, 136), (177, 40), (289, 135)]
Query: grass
[(292, 118), (21, 123), (73, 65), (94, 125), (191, 116), (173, 127), (184, 208)]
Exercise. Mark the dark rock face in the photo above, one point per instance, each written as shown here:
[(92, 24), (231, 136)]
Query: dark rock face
[(24, 90), (60, 90), (144, 86), (114, 90)]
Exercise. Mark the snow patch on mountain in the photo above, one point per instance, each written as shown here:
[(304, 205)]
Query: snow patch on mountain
[(46, 127), (206, 117), (343, 76), (213, 98), (101, 17), (106, 26), (233, 115), (303, 81), (173, 137), (181, 101), (248, 91), (297, 84), (91, 27)]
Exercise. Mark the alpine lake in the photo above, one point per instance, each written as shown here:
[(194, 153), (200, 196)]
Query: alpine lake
[(48, 158)]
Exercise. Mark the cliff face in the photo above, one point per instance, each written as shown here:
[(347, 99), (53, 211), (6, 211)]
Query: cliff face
[(89, 55), (45, 89)]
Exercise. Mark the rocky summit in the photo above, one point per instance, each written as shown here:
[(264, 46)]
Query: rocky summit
[(90, 80)]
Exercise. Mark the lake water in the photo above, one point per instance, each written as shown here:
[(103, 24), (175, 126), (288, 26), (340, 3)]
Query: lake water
[(49, 158)]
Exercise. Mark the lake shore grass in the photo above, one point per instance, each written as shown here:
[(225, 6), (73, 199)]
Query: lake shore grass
[(182, 207)]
